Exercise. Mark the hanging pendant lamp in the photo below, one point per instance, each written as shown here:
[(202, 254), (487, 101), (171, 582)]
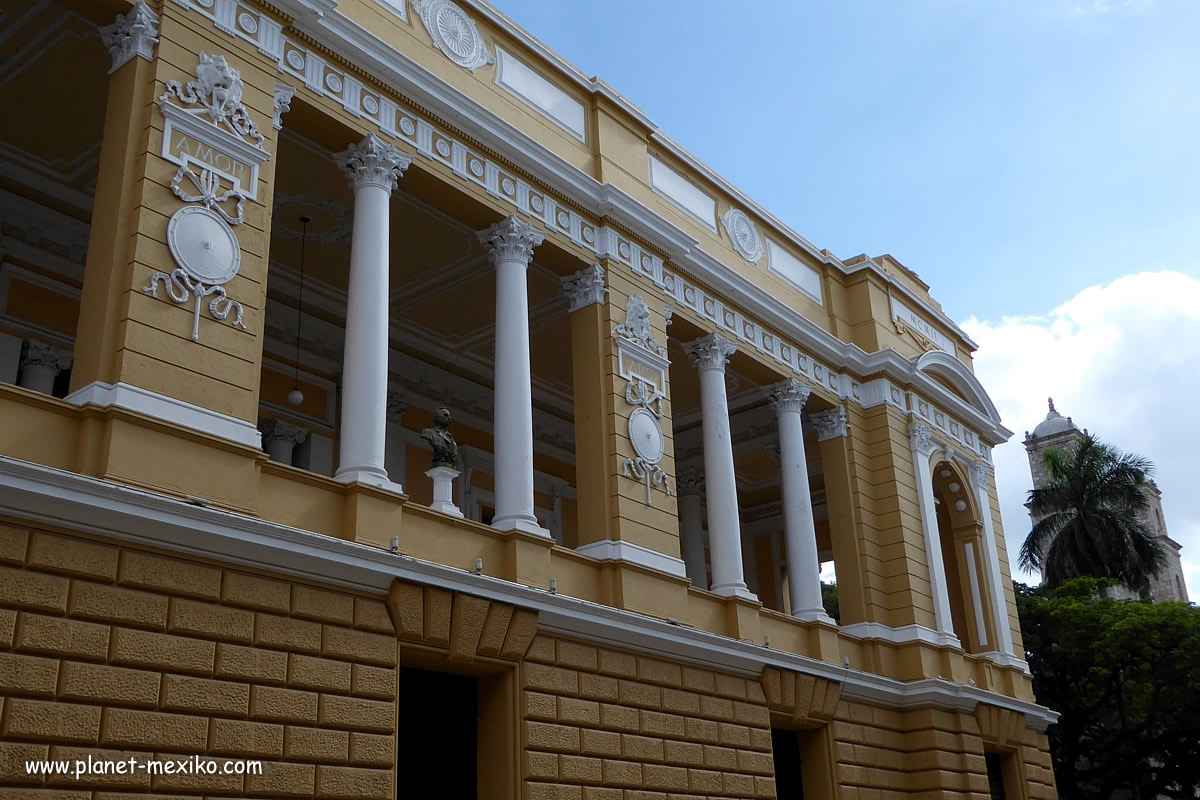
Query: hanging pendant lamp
[(295, 396)]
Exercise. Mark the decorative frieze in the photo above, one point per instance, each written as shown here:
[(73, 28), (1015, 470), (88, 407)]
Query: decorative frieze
[(585, 288), (134, 34)]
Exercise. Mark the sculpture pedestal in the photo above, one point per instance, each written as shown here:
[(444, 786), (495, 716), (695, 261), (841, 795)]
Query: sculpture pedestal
[(443, 490)]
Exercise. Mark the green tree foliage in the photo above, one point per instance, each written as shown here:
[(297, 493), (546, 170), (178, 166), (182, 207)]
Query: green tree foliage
[(1087, 518), (1125, 675), (829, 599)]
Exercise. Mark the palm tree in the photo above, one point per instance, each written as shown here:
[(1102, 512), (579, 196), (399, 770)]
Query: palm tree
[(1088, 521)]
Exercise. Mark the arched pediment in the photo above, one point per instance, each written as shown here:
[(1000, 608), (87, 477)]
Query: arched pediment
[(939, 364)]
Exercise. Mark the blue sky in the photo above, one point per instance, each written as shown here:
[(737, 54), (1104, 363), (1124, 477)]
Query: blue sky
[(1011, 152), (1036, 161)]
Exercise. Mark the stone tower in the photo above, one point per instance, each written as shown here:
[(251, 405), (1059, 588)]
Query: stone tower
[(1059, 431)]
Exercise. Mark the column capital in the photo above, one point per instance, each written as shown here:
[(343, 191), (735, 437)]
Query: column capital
[(36, 354), (585, 288), (133, 34), (978, 473), (373, 162), (282, 104), (710, 352), (690, 483), (396, 406), (278, 430), (510, 239), (788, 396), (921, 438), (830, 424)]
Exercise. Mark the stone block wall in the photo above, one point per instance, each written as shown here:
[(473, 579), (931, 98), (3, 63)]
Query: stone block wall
[(599, 722), (116, 652)]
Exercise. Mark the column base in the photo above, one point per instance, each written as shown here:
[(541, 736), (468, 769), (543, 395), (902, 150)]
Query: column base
[(814, 615), (734, 590), (443, 491), (370, 477), (522, 524)]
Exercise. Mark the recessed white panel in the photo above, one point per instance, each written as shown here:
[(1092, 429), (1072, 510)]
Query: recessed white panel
[(540, 93), (397, 7), (794, 271), (683, 193)]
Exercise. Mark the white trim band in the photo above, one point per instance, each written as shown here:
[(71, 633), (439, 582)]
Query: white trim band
[(168, 410), (612, 550)]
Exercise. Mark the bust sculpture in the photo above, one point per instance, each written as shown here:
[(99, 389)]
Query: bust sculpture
[(445, 449)]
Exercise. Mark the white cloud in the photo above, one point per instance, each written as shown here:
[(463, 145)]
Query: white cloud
[(1105, 6), (1124, 361)]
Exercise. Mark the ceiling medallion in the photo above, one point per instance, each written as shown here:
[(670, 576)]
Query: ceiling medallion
[(454, 33), (743, 234)]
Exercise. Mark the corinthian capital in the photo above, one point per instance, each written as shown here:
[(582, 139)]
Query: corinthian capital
[(133, 34), (979, 472), (788, 395), (278, 430), (921, 438), (585, 288), (510, 239), (373, 162), (689, 483), (710, 352), (36, 354), (830, 424)]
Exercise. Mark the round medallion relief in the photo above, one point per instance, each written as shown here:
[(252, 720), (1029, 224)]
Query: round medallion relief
[(203, 245), (645, 436), (743, 234)]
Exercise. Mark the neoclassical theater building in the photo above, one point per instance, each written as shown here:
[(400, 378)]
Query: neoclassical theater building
[(248, 251)]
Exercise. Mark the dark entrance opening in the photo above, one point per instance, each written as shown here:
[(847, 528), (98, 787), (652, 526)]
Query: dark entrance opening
[(789, 780), (437, 735)]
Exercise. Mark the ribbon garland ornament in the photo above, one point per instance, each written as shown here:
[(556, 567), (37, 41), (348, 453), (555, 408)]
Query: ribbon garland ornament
[(215, 145), (636, 340)]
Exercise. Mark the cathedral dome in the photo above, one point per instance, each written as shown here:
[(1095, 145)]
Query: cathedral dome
[(1053, 423)]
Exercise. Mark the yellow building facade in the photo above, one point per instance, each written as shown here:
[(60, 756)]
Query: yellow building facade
[(248, 250)]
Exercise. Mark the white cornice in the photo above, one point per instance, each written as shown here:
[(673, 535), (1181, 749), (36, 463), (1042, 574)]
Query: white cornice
[(55, 497)]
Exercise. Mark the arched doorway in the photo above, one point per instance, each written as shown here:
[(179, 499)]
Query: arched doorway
[(960, 536)]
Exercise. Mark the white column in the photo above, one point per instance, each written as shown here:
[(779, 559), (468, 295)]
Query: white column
[(41, 365), (510, 244), (374, 167), (280, 439), (691, 526), (710, 354), (923, 445), (799, 528), (979, 474)]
